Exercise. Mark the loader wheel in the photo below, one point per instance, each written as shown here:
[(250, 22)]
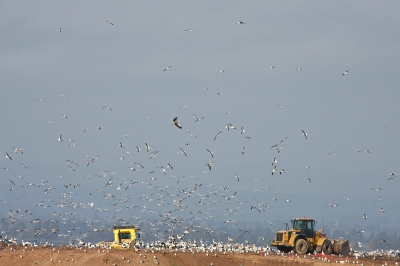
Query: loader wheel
[(301, 247), (327, 247)]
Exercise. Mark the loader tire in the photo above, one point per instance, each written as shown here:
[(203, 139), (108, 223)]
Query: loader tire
[(327, 247), (301, 247)]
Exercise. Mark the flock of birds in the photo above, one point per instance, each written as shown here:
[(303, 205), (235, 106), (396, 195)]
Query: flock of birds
[(136, 191)]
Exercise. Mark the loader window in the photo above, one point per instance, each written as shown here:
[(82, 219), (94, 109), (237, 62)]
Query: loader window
[(309, 230), (125, 235), (298, 225)]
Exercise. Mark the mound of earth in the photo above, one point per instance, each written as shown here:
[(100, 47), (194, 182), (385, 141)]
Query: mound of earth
[(18, 255)]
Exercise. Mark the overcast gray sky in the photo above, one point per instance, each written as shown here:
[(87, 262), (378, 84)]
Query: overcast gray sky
[(351, 121)]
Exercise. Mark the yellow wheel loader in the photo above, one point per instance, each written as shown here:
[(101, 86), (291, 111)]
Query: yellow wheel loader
[(302, 238)]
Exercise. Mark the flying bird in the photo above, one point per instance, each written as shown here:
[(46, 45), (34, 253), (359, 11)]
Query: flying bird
[(8, 156), (109, 22), (273, 170), (240, 22), (211, 153), (304, 133), (168, 68), (345, 73), (176, 122), (391, 176), (198, 118), (59, 29), (217, 135)]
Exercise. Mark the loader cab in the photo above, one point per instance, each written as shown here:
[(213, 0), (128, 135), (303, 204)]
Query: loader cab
[(306, 226)]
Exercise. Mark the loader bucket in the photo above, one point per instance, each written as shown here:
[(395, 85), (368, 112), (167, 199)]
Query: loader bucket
[(341, 246)]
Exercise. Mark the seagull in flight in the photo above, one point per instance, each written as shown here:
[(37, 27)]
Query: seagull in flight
[(333, 151), (176, 122), (168, 68), (198, 118), (304, 133), (8, 156), (217, 135), (240, 22), (109, 22), (59, 30), (345, 73), (298, 69), (391, 176), (211, 153)]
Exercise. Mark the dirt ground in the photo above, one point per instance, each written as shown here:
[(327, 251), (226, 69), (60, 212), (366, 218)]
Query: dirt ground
[(18, 255)]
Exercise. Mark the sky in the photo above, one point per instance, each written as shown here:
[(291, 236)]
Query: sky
[(102, 84)]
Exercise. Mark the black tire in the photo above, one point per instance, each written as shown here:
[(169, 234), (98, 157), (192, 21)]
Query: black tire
[(301, 247), (327, 247)]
